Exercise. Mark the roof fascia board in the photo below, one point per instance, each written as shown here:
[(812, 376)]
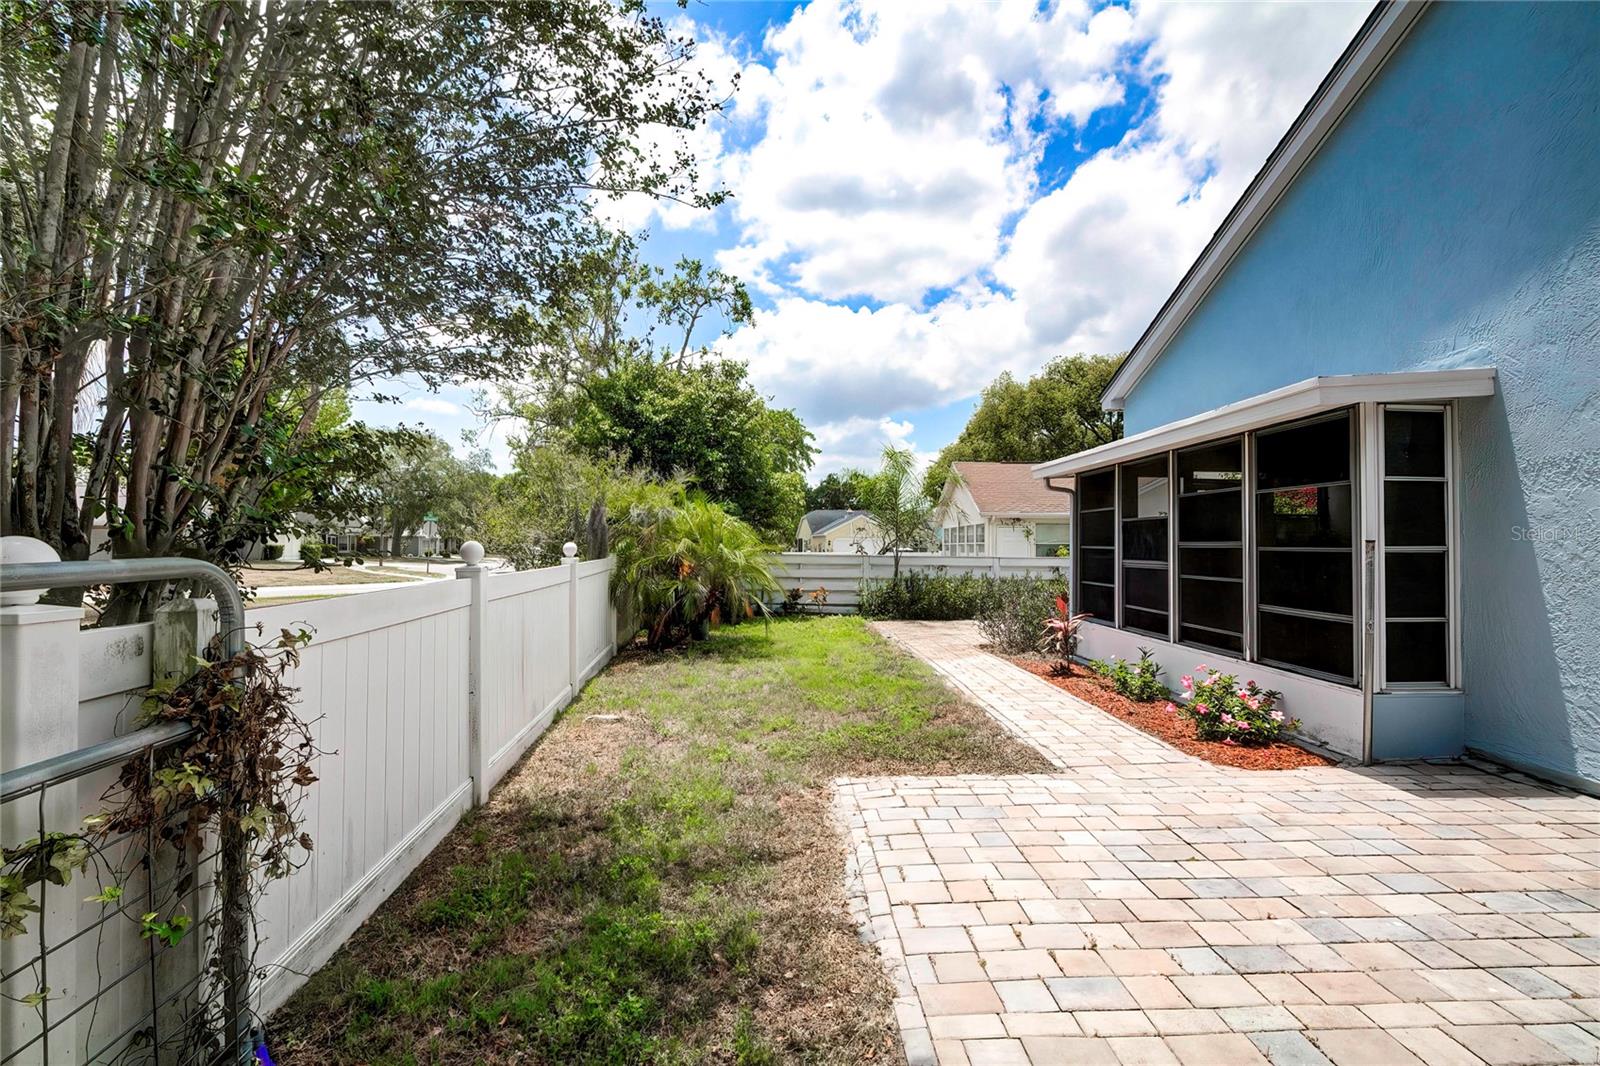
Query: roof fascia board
[(1373, 46), (1308, 397)]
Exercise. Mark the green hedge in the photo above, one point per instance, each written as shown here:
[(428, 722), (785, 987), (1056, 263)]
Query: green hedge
[(1013, 617), (924, 597), (1011, 604)]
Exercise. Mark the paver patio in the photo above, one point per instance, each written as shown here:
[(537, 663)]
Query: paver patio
[(1141, 905)]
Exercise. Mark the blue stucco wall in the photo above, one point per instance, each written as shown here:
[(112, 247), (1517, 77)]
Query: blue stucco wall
[(1453, 219)]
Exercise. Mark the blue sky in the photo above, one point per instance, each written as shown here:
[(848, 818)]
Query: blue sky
[(926, 195)]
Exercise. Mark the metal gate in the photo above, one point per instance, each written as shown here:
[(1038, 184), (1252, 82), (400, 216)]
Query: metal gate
[(162, 1005)]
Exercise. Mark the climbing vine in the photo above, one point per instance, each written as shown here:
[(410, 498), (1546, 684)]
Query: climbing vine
[(240, 777)]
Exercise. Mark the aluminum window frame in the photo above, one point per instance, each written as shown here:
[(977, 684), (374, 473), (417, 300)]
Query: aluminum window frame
[(1244, 491), (1353, 478), (1076, 550), (1366, 505), (1144, 564), (1451, 548)]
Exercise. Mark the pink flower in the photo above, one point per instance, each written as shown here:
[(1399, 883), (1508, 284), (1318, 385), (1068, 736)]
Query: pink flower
[(1230, 741), (1188, 682), (1277, 716), (1201, 708), (1249, 684), (1228, 718), (1200, 669), (1172, 708)]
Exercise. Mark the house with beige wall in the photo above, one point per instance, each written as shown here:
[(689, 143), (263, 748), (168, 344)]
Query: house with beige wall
[(838, 531), (1000, 509)]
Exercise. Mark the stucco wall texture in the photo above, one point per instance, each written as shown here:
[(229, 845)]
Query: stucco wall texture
[(1453, 219)]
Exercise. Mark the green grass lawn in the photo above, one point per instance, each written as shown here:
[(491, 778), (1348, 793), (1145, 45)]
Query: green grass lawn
[(660, 881)]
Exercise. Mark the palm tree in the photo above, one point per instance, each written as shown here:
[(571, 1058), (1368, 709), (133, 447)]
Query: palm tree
[(692, 561), (899, 504)]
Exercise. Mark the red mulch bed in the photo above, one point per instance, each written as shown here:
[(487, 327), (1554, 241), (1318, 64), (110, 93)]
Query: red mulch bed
[(1172, 728)]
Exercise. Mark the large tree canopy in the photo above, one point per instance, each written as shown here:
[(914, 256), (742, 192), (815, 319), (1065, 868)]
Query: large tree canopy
[(207, 206), (845, 490), (422, 476), (1054, 413), (617, 310), (705, 423)]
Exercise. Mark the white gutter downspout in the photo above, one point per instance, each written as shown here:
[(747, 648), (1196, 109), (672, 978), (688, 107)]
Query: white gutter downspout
[(1369, 643), (1369, 478)]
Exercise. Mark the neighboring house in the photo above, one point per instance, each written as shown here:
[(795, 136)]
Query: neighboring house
[(288, 549), (838, 531), (1000, 509), (1363, 452), (358, 537)]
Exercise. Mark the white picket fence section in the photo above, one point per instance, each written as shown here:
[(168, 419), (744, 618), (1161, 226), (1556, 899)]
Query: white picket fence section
[(842, 574), (423, 698)]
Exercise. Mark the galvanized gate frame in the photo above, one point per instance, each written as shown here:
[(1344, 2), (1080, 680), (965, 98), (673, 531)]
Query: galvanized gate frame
[(235, 880)]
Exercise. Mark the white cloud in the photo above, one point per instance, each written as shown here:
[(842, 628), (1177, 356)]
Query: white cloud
[(432, 405), (896, 138), (892, 160), (858, 443)]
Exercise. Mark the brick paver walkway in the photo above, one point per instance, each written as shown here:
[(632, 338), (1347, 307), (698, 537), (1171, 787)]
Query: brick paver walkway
[(1140, 905)]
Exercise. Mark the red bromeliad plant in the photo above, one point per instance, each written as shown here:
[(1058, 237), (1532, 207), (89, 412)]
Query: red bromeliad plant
[(1060, 637), (1222, 709)]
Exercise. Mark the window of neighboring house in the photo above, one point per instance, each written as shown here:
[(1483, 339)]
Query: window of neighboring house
[(1049, 538), (1211, 545), (1145, 487), (966, 540), (1416, 547), (1096, 564), (1305, 558)]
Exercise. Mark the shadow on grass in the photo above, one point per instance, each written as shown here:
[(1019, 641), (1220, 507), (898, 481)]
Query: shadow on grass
[(752, 640)]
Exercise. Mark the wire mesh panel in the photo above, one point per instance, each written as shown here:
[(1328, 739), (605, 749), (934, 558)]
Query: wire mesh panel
[(116, 957)]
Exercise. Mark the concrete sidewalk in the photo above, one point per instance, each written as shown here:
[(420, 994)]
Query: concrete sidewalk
[(1141, 905)]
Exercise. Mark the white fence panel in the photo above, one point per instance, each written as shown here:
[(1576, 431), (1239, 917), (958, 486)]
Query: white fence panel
[(384, 684), (841, 575), (525, 662), (597, 623)]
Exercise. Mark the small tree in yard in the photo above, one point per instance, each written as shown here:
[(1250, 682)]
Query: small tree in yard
[(216, 217), (899, 505)]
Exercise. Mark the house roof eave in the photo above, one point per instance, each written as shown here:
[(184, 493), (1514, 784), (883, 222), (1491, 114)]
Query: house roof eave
[(1301, 399)]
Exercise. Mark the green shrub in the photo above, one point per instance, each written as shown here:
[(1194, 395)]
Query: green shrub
[(312, 553), (1138, 681), (1016, 610), (685, 561), (923, 597), (1221, 710), (271, 552)]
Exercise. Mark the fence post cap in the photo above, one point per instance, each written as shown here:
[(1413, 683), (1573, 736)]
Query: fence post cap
[(472, 553), (24, 550), (570, 550)]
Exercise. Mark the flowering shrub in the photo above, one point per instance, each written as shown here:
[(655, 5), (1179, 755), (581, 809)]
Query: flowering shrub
[(1140, 681), (1222, 709)]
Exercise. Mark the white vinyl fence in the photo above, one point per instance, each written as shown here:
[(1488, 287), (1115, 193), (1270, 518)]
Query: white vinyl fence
[(423, 698), (842, 574)]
